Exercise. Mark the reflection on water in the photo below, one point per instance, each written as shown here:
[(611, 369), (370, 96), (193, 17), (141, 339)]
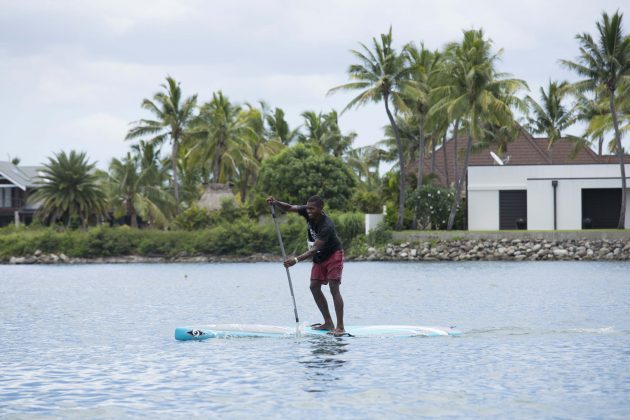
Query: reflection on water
[(323, 363)]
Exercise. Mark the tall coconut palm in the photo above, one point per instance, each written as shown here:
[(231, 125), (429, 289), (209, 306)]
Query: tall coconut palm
[(381, 75), (172, 117), (423, 63), (69, 187), (219, 138), (135, 191), (550, 116), (474, 91), (605, 63)]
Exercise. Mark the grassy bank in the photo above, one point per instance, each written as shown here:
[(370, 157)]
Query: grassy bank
[(235, 238)]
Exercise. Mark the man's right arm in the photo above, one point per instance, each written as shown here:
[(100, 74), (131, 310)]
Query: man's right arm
[(283, 206)]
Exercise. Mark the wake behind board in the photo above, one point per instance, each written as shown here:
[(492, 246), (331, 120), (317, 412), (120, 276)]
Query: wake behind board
[(252, 330)]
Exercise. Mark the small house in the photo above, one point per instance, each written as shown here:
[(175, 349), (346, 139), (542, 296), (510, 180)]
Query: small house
[(16, 184)]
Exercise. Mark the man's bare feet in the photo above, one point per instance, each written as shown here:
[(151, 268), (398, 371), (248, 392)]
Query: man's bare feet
[(338, 332), (323, 327)]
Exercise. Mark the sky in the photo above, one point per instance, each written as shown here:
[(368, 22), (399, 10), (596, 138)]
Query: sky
[(74, 73)]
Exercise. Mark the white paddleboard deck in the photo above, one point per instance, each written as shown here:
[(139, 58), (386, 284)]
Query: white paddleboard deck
[(254, 330)]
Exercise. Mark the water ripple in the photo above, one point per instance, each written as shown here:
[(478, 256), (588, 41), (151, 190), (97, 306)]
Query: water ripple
[(541, 340)]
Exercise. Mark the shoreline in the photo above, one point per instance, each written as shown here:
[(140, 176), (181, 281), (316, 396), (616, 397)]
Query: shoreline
[(484, 249)]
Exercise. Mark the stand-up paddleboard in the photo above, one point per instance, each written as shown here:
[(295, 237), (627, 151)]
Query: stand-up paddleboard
[(249, 330)]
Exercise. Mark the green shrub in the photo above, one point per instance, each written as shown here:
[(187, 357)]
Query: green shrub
[(432, 205), (348, 226), (195, 218), (391, 216), (230, 211), (381, 235), (367, 202), (241, 236)]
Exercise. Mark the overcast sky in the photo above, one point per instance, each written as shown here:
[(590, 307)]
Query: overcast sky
[(73, 73)]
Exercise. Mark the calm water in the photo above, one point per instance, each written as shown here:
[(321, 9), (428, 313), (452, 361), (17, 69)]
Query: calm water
[(541, 340)]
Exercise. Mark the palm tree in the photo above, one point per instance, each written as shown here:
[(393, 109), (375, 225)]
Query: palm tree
[(605, 63), (365, 162), (136, 191), (172, 117), (475, 92), (219, 138), (591, 109), (69, 187), (596, 112), (323, 131), (407, 130), (263, 141), (381, 75), (423, 63), (550, 116), (277, 126)]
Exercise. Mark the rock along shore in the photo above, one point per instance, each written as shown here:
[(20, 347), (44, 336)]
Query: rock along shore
[(504, 249), (41, 258)]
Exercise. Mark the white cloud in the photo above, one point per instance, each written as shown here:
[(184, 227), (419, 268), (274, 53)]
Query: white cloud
[(100, 134)]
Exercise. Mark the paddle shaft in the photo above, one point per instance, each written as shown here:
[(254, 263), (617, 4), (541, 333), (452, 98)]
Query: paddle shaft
[(284, 257)]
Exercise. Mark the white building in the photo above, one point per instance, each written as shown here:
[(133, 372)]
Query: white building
[(546, 197)]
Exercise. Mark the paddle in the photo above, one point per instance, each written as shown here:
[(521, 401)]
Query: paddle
[(284, 257)]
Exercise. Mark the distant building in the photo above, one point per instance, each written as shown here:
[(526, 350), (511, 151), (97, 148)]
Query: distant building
[(538, 187), (16, 184), (524, 150), (546, 197)]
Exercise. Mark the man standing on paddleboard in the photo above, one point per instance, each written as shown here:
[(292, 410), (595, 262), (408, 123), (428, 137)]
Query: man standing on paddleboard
[(327, 252)]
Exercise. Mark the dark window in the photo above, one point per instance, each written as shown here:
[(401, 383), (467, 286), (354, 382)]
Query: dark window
[(600, 208), (512, 209), (6, 197)]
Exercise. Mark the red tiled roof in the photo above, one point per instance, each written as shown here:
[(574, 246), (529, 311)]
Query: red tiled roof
[(524, 150)]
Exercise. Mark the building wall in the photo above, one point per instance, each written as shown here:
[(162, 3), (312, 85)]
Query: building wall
[(483, 209), (485, 182)]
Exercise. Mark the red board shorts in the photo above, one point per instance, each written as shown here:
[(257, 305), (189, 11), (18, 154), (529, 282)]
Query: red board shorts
[(328, 270)]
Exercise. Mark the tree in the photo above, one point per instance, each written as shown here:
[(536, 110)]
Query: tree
[(592, 109), (550, 116), (423, 63), (596, 112), (263, 142), (69, 187), (323, 131), (381, 75), (407, 130), (301, 171), (135, 190), (474, 91), (219, 139), (277, 126), (605, 63), (365, 162), (173, 115)]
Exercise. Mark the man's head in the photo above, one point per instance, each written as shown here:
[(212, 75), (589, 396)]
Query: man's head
[(314, 207)]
